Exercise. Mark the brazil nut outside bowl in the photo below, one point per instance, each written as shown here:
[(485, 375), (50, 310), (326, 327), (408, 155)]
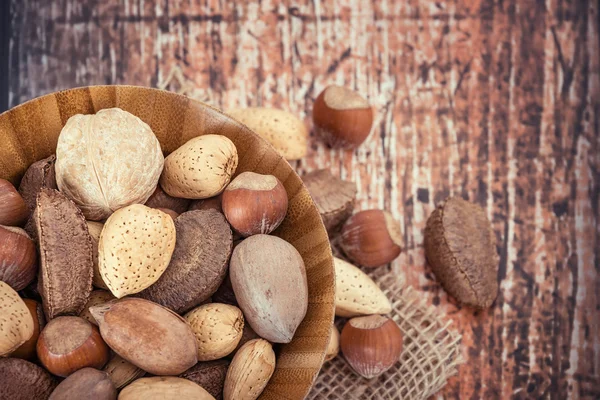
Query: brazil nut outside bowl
[(29, 132)]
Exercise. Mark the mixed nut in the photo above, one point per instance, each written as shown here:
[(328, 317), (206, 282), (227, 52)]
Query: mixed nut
[(122, 251), (165, 266)]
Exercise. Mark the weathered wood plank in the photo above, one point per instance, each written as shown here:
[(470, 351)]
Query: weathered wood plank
[(496, 101)]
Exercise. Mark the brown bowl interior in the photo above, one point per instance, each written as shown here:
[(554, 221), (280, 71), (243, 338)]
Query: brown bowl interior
[(29, 132)]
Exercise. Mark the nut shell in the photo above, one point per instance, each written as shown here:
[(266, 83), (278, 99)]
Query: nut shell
[(218, 329), (95, 229), (213, 203), (333, 348), (199, 262), (40, 174), (160, 199), (27, 350), (97, 298), (87, 383), (13, 210), (18, 257), (333, 197), (129, 326), (371, 238), (460, 246), (121, 372), (68, 344), (210, 375), (250, 371), (356, 293), (164, 387), (23, 380), (342, 118), (135, 248), (255, 203), (107, 161), (269, 281), (282, 129), (371, 344), (66, 254), (201, 168), (16, 322)]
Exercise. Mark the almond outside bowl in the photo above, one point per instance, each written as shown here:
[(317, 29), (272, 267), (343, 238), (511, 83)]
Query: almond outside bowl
[(29, 133)]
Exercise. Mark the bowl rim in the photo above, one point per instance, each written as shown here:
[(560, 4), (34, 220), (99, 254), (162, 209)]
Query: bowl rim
[(5, 115)]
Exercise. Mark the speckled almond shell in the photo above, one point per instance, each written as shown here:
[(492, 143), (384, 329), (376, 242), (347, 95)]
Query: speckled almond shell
[(65, 248), (121, 371), (199, 262), (356, 293), (29, 133), (282, 129), (460, 247), (106, 161), (200, 168), (16, 322), (135, 248), (97, 297), (23, 380), (249, 371)]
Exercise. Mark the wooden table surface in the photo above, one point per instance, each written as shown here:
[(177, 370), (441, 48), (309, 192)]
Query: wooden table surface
[(495, 101)]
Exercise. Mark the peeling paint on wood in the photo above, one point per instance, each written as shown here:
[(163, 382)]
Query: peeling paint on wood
[(495, 101)]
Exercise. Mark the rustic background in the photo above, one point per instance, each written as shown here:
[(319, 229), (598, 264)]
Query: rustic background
[(495, 101)]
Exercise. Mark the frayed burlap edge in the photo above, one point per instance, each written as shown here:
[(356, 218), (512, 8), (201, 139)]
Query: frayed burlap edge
[(431, 353)]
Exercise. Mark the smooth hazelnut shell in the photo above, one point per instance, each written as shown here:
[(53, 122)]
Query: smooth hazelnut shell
[(371, 344), (371, 238), (27, 350), (341, 128), (13, 210), (18, 258), (254, 211), (68, 344)]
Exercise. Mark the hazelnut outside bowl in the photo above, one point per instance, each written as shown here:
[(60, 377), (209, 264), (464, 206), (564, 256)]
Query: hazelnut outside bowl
[(29, 133)]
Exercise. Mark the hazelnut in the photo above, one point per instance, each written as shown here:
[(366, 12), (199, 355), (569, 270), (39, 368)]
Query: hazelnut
[(68, 344), (255, 203), (371, 345), (342, 117), (13, 210), (27, 349), (333, 348), (371, 238), (18, 257)]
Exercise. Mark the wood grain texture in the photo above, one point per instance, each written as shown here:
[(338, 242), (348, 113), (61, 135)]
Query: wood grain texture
[(496, 101), (30, 132)]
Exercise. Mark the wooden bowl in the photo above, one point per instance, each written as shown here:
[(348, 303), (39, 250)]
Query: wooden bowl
[(29, 132)]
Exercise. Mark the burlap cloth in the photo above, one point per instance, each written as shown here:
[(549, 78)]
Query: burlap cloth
[(430, 355)]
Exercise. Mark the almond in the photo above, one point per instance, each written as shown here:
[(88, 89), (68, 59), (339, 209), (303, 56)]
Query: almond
[(95, 229), (356, 293), (66, 260), (16, 322), (250, 371), (282, 129), (201, 168), (218, 329), (148, 335), (135, 248), (164, 387)]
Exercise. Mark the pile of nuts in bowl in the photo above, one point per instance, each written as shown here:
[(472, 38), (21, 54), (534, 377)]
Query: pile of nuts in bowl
[(134, 264)]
